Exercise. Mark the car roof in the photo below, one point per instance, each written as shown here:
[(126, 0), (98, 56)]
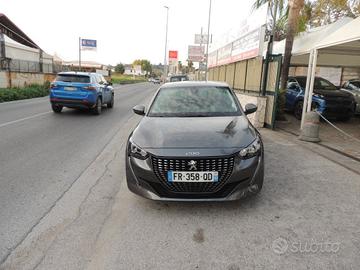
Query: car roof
[(194, 84), (76, 73)]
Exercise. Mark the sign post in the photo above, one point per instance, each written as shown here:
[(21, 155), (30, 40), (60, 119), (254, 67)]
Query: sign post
[(86, 45), (79, 53)]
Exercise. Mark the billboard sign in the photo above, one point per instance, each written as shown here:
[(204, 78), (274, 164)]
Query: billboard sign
[(196, 53), (173, 55), (88, 44), (243, 43), (201, 39), (246, 47), (212, 61)]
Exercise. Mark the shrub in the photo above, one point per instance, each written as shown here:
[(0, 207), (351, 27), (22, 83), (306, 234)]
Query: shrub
[(30, 91)]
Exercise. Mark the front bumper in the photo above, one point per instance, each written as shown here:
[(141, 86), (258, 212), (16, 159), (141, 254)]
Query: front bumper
[(246, 179)]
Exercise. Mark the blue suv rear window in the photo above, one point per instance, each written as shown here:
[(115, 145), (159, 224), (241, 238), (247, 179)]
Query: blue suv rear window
[(73, 78)]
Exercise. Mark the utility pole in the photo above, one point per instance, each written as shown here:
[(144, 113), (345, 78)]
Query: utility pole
[(207, 45), (166, 39), (79, 53)]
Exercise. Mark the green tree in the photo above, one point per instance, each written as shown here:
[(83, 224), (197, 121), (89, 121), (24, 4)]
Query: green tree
[(295, 6), (120, 68), (145, 65)]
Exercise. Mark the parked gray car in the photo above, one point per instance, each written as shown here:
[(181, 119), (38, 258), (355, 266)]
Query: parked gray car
[(195, 143), (353, 87)]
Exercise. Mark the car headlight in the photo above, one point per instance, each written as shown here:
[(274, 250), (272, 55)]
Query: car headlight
[(252, 150), (319, 95), (136, 151)]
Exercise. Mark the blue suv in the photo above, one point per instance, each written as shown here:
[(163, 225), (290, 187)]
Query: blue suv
[(327, 98), (81, 90)]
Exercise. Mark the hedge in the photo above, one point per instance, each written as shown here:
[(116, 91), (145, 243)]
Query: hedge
[(31, 91)]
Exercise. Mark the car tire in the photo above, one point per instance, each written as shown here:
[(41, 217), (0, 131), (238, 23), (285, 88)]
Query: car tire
[(56, 108), (298, 109), (111, 103), (98, 107)]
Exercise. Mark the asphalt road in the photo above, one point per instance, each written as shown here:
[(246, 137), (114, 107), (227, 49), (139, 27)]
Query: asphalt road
[(306, 217), (42, 154)]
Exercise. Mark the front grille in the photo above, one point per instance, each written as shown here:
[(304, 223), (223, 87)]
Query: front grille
[(222, 165)]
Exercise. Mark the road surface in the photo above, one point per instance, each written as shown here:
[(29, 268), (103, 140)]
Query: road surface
[(42, 155)]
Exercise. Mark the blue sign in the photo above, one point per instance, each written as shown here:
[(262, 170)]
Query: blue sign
[(88, 43)]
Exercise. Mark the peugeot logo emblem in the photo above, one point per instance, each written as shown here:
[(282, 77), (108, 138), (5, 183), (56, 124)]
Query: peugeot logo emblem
[(192, 164)]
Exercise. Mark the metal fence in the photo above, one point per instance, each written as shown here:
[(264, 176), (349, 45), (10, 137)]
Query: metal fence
[(17, 65)]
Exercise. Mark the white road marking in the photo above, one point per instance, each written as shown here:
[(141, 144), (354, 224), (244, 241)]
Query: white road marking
[(23, 119)]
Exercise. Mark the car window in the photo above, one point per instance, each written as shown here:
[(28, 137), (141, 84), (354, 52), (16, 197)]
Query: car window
[(323, 84), (355, 85), (319, 83), (73, 78), (194, 101), (178, 79)]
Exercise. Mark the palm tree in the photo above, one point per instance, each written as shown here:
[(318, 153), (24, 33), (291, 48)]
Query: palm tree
[(295, 6)]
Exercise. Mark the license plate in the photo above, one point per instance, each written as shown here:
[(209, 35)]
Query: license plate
[(189, 176), (69, 88)]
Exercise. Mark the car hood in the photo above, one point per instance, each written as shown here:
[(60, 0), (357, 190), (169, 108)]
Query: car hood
[(194, 132), (332, 93)]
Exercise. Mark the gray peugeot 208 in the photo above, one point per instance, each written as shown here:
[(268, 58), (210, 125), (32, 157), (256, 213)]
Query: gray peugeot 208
[(195, 143)]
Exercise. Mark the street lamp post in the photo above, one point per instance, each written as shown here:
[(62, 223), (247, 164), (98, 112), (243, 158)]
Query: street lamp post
[(207, 45), (166, 39)]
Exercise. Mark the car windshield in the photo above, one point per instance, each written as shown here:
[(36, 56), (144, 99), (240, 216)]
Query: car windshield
[(194, 102), (319, 84), (73, 78)]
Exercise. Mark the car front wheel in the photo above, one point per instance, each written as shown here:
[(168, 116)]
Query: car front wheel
[(298, 110), (111, 103)]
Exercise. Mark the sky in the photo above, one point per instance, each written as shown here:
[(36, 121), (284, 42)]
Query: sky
[(124, 30)]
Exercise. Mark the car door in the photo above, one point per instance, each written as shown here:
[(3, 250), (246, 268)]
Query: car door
[(101, 87), (292, 92), (107, 89)]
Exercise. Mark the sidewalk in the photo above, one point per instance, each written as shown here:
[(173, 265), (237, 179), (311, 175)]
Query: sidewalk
[(329, 136), (306, 217)]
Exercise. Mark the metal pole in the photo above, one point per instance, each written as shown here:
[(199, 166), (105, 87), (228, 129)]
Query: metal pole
[(311, 90), (306, 95), (79, 53), (207, 45), (166, 39), (200, 63)]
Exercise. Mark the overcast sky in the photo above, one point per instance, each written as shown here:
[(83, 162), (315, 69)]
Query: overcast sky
[(125, 30)]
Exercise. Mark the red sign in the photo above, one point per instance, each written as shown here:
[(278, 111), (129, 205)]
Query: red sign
[(173, 55)]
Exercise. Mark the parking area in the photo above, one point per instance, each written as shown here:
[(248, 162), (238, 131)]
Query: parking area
[(329, 135)]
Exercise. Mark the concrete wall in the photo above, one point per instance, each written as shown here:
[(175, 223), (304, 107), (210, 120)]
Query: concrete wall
[(336, 75), (21, 79), (257, 118), (15, 51)]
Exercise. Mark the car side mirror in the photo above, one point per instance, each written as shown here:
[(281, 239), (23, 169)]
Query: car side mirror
[(250, 108), (109, 83), (139, 109)]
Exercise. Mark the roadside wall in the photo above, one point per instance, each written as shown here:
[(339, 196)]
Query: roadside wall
[(21, 79), (245, 78)]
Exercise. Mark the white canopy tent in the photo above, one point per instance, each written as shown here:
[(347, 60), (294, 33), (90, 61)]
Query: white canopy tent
[(336, 45)]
